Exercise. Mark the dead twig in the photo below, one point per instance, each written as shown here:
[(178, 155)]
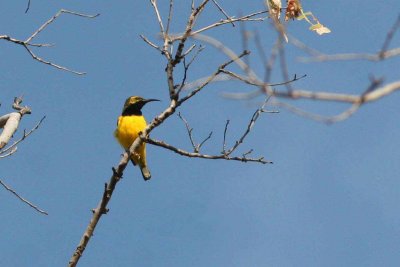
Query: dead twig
[(27, 43), (196, 147), (204, 156), (384, 53), (22, 199), (13, 148), (28, 6)]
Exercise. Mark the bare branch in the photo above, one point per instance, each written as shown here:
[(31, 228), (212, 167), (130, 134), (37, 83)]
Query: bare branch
[(10, 122), (171, 5), (266, 88), (13, 148), (175, 102), (248, 129), (35, 57), (383, 54), (195, 13), (210, 78), (9, 153), (27, 43), (316, 117), (204, 156), (10, 128), (150, 43), (389, 36), (189, 131), (100, 210), (228, 52), (196, 147), (204, 141), (22, 199), (223, 12), (29, 5), (247, 18), (224, 142), (354, 56), (160, 23), (47, 23), (186, 68)]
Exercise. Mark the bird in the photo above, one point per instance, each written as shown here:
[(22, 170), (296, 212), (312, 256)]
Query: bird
[(129, 125)]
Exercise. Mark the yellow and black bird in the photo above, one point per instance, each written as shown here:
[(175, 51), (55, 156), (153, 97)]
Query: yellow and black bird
[(130, 124)]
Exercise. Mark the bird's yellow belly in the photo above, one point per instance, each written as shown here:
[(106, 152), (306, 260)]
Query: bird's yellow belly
[(128, 129)]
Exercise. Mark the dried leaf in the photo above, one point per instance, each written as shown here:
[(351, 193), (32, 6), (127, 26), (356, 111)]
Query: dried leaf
[(293, 9)]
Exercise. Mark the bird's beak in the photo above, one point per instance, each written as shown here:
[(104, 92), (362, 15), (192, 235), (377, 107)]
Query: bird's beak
[(149, 100)]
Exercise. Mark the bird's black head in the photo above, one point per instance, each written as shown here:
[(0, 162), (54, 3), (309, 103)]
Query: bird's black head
[(133, 105)]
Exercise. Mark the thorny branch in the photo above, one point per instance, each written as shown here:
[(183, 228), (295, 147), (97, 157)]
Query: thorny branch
[(27, 44)]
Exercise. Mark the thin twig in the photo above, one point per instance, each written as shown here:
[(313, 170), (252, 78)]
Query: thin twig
[(27, 43), (204, 141), (23, 199), (247, 18), (383, 54), (212, 76), (389, 37), (12, 151), (29, 5), (160, 23), (223, 12), (189, 131), (317, 117), (35, 57), (150, 43), (171, 4), (47, 23), (246, 80), (189, 27), (196, 147), (251, 124), (186, 68), (224, 140), (204, 156), (228, 52), (25, 135)]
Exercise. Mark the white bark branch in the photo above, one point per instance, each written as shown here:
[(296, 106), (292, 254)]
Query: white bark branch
[(10, 127)]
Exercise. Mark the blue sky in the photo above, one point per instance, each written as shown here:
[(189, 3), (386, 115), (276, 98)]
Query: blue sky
[(330, 198)]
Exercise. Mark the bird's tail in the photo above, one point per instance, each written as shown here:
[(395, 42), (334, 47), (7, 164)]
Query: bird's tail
[(145, 172)]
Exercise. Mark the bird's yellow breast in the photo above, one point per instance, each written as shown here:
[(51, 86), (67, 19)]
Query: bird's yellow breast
[(128, 128)]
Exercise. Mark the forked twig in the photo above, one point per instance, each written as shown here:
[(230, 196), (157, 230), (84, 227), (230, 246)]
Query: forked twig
[(196, 147), (204, 156), (13, 148), (223, 12), (27, 43)]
